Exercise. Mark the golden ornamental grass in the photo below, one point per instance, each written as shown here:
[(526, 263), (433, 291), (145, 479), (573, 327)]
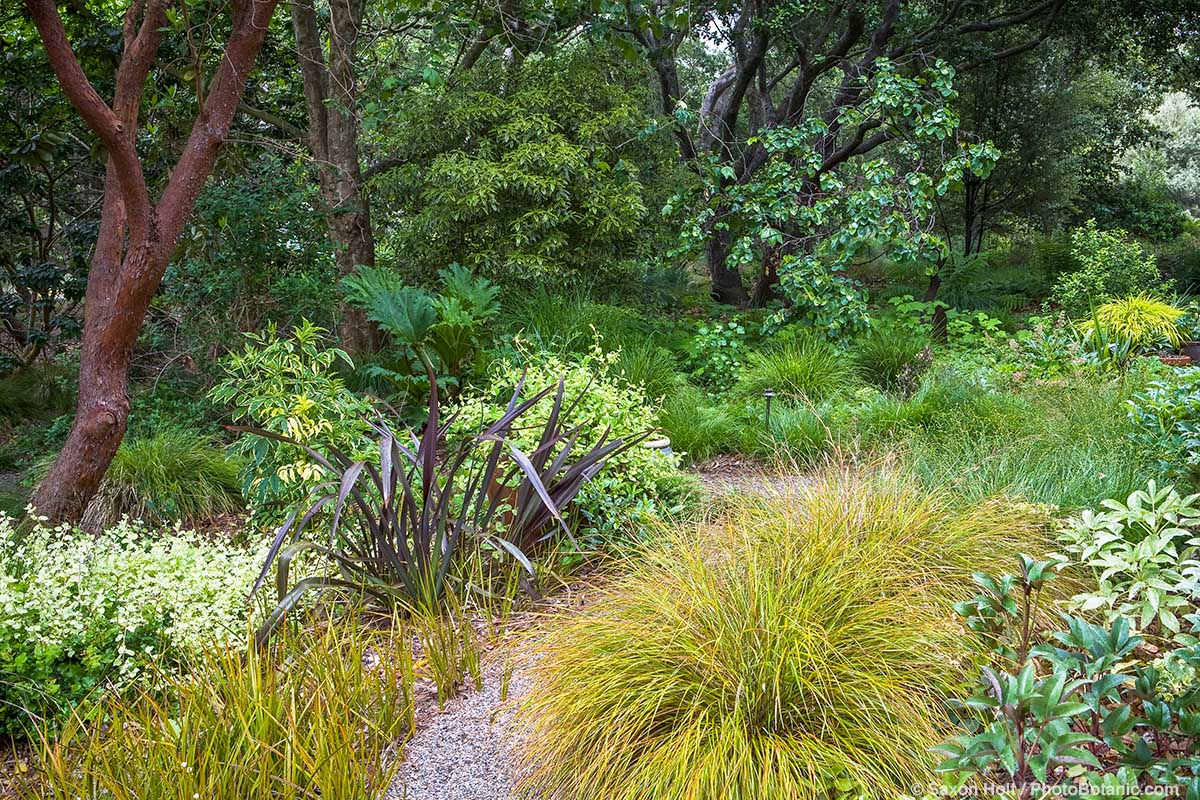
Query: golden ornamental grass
[(800, 643)]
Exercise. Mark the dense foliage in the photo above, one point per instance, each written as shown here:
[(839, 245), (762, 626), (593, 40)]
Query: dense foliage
[(736, 349), (85, 613)]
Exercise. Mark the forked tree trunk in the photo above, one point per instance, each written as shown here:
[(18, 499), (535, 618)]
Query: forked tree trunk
[(136, 236)]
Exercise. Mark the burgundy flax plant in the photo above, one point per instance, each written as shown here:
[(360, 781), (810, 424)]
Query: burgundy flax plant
[(401, 518)]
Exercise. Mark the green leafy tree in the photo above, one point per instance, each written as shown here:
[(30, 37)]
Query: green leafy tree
[(807, 225), (534, 172)]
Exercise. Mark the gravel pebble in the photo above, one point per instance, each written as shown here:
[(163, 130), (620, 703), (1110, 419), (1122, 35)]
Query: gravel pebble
[(460, 753)]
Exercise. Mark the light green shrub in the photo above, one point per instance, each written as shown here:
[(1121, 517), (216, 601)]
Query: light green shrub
[(286, 384), (79, 612), (632, 486), (1111, 265)]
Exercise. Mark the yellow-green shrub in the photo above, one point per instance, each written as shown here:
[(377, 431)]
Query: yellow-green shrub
[(635, 484), (802, 643)]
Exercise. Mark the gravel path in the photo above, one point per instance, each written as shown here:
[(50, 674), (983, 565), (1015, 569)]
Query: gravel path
[(460, 753)]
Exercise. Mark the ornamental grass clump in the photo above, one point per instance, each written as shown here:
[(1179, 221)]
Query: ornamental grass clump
[(318, 714), (806, 370), (802, 647), (1140, 321)]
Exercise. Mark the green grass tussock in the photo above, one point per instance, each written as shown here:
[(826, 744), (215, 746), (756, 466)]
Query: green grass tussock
[(797, 643), (173, 475), (699, 427), (888, 357), (806, 370), (651, 367)]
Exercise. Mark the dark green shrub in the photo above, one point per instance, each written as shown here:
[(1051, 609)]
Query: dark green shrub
[(33, 392), (1180, 259)]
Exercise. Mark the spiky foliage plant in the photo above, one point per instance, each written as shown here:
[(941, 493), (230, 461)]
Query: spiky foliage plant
[(801, 647)]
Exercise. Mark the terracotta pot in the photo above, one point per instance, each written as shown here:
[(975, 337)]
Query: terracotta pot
[(1176, 361)]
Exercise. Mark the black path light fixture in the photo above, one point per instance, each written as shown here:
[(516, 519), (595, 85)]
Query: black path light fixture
[(768, 394)]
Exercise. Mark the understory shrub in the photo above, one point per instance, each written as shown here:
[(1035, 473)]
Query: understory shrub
[(174, 475), (802, 647), (79, 612), (287, 384), (320, 714), (1110, 265), (636, 484), (805, 370)]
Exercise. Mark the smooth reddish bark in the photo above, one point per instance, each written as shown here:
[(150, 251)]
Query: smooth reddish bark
[(137, 235)]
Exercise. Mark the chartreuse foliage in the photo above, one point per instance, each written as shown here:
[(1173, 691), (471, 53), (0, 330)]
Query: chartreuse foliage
[(318, 714), (801, 647), (1138, 323)]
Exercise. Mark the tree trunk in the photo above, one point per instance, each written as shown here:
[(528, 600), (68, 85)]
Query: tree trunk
[(726, 281), (768, 279), (331, 101), (136, 236), (939, 322)]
